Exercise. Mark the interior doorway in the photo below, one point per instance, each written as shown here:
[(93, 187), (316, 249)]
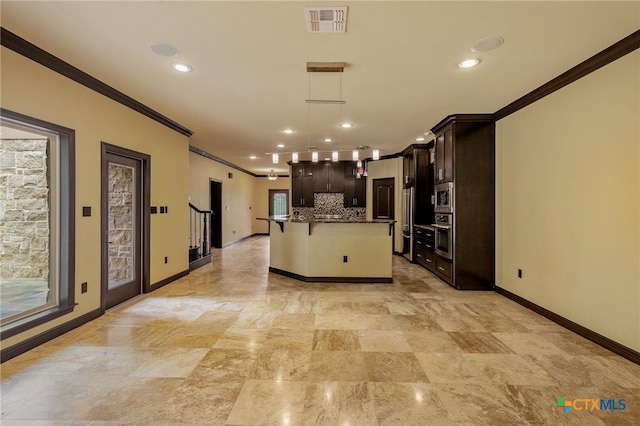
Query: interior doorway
[(215, 197), (125, 225)]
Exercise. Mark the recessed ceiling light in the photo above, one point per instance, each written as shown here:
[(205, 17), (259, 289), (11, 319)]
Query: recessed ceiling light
[(253, 157), (287, 131), (328, 139), (280, 145), (487, 44), (163, 49), (469, 63), (346, 125), (181, 67), (419, 139)]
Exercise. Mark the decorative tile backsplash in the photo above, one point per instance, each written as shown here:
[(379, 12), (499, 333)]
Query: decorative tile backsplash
[(330, 204)]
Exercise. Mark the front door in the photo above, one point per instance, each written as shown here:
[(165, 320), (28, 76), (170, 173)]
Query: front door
[(122, 228)]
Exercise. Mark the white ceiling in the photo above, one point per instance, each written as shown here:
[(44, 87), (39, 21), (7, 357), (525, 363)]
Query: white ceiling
[(249, 78)]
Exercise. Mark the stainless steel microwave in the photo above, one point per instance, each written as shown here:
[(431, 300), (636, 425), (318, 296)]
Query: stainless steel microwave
[(444, 198)]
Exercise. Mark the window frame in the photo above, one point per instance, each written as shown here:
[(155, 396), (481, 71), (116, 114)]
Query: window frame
[(64, 256), (271, 205)]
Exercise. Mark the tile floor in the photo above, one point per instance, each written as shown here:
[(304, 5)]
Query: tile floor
[(231, 344)]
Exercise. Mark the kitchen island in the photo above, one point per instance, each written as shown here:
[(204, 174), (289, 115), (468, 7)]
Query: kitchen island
[(331, 250)]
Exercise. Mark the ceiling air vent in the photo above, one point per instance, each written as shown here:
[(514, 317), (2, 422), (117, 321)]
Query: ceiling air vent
[(326, 19)]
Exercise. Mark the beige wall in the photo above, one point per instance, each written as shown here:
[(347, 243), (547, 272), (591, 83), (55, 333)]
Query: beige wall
[(390, 168), (261, 187), (246, 196), (568, 201), (237, 195), (36, 91)]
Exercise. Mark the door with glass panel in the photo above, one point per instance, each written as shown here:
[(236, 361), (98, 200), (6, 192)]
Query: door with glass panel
[(122, 230)]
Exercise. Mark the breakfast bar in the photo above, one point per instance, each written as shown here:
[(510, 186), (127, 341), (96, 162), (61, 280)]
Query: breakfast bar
[(331, 250)]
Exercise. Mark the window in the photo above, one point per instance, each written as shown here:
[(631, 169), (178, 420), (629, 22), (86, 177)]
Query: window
[(278, 202), (36, 222)]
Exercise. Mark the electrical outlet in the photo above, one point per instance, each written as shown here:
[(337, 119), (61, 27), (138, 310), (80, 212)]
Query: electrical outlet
[(83, 287), (519, 273), (166, 259), (345, 259)]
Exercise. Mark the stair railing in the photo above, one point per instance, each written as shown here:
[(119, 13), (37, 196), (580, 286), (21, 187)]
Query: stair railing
[(198, 235)]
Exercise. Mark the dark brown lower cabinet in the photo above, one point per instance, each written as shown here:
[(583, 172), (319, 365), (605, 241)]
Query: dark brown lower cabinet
[(424, 246), (444, 269), (426, 258)]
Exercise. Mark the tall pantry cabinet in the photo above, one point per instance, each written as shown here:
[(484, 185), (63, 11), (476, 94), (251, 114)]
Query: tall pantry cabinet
[(465, 155)]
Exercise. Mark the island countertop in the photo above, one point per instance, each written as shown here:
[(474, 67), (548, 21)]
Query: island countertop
[(305, 219), (331, 250)]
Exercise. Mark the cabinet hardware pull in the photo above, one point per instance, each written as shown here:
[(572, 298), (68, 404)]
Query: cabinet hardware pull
[(441, 268), (428, 260)]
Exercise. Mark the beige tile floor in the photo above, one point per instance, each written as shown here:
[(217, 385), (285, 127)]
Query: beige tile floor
[(231, 344)]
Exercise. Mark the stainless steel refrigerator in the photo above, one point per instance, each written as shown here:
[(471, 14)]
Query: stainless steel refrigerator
[(407, 223)]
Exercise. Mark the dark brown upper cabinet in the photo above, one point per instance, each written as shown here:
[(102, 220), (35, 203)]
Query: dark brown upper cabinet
[(329, 177), (302, 185), (444, 155)]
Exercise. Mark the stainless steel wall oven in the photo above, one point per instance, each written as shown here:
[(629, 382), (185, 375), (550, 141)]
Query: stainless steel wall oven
[(444, 235)]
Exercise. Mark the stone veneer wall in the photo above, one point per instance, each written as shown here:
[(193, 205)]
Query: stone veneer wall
[(330, 203), (24, 209), (120, 222)]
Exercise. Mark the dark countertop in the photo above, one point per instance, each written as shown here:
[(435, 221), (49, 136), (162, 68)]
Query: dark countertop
[(427, 227), (314, 220)]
